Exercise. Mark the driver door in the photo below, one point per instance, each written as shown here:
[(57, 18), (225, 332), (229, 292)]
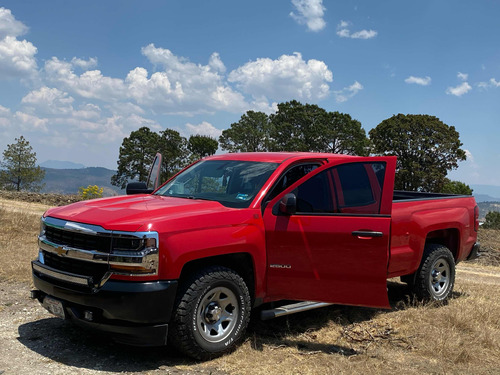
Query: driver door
[(334, 248)]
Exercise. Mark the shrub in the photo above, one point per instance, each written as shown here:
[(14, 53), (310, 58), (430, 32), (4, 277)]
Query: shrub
[(492, 220), (90, 192)]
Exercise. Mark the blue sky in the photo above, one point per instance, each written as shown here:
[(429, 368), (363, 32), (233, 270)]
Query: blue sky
[(78, 77)]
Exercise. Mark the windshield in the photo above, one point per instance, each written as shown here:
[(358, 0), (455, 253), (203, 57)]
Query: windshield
[(232, 183)]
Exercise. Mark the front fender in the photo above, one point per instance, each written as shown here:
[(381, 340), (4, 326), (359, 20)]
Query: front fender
[(179, 248)]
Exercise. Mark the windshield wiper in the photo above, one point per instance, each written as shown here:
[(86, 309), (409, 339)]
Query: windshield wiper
[(199, 198)]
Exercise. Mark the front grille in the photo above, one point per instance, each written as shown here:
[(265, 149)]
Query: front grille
[(79, 267), (101, 242)]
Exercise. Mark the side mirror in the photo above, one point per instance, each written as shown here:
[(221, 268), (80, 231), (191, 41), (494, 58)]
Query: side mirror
[(138, 188), (288, 204)]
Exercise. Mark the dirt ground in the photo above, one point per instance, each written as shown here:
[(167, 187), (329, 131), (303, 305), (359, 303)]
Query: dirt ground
[(34, 342)]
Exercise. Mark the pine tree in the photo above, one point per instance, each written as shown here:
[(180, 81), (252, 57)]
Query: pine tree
[(18, 169)]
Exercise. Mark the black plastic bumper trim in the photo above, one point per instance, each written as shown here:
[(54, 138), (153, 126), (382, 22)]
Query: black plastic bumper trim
[(137, 302), (475, 252), (154, 335)]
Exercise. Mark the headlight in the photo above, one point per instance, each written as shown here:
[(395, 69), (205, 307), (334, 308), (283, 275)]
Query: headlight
[(132, 255), (42, 227)]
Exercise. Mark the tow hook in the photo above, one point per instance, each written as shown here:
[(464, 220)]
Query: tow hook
[(35, 294)]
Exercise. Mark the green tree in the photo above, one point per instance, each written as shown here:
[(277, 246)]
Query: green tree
[(341, 134), (492, 220), (456, 187), (249, 134), (136, 155), (173, 148), (426, 149), (201, 146), (297, 127), (18, 170), (307, 127)]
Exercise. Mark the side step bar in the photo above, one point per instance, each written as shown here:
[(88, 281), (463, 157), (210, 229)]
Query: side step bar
[(291, 309)]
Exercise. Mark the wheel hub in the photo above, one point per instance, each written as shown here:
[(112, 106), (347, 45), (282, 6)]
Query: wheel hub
[(436, 276), (213, 312), (439, 277)]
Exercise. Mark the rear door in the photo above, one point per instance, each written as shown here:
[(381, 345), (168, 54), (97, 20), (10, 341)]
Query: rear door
[(334, 248)]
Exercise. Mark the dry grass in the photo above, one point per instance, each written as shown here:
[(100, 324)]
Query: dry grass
[(490, 247), (18, 240), (460, 337)]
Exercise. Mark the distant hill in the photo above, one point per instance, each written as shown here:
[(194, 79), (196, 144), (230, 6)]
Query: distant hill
[(486, 193), (485, 207), (67, 181), (58, 164), (485, 198)]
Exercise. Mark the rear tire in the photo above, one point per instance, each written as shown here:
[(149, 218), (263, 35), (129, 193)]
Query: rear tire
[(435, 278), (211, 313)]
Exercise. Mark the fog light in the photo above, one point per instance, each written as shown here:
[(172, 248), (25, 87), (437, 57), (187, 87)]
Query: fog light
[(88, 315)]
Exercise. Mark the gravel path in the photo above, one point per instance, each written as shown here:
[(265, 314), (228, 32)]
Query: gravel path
[(475, 274), (34, 342)]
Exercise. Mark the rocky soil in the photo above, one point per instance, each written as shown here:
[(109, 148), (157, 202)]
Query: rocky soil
[(34, 342)]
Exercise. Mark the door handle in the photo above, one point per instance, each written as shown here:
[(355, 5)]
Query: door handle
[(367, 233)]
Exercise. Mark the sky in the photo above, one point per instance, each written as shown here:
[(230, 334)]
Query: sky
[(78, 77)]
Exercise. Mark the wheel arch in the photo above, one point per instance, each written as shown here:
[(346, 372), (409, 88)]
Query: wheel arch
[(241, 263), (449, 238)]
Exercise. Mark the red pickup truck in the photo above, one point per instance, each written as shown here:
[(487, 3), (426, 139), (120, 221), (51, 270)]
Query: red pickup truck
[(187, 263)]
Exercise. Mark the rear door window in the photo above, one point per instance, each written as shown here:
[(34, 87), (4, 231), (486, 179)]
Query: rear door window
[(353, 188), (358, 187)]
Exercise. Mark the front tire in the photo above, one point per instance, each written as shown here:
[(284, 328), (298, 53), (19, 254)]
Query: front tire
[(435, 277), (211, 314)]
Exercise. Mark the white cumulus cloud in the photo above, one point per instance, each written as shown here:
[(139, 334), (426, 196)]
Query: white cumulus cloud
[(204, 128), (48, 101), (364, 34), (469, 155), (348, 92), (84, 64), (91, 84), (216, 63), (462, 76), (9, 26), (5, 117), (188, 86), (492, 83), (459, 90), (30, 122), (287, 77), (17, 57), (343, 31), (310, 13), (422, 81)]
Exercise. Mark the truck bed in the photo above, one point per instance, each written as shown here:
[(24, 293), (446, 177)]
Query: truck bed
[(401, 195), (420, 217)]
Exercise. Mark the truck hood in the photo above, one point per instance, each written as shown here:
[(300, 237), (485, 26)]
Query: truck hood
[(133, 213)]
